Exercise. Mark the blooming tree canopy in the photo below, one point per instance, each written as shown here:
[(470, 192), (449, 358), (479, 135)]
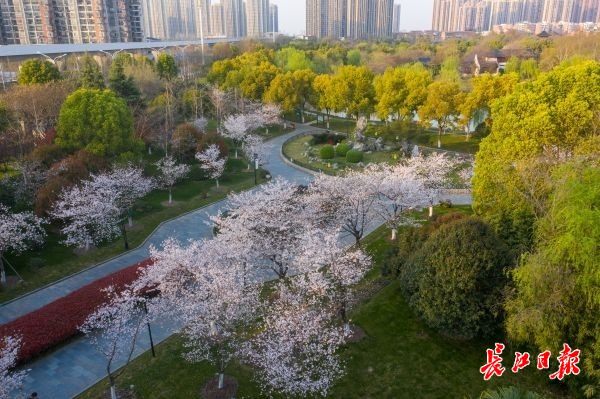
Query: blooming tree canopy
[(18, 231), (120, 322), (92, 212), (170, 172), (345, 202), (265, 227), (209, 290), (10, 380), (294, 351), (128, 183), (211, 162)]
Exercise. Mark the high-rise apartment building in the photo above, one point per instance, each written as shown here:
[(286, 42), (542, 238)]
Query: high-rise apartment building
[(234, 16), (396, 18), (273, 25), (257, 16), (483, 15), (353, 19), (217, 20), (70, 21)]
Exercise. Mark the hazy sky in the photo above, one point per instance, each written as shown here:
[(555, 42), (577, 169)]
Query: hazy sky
[(416, 15)]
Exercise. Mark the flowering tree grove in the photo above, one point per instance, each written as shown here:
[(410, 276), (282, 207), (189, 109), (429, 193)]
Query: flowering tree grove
[(18, 231), (10, 380), (211, 162), (170, 172)]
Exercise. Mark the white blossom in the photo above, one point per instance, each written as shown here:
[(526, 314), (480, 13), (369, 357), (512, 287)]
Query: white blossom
[(295, 350), (91, 212), (113, 329), (170, 172), (18, 231), (209, 290), (265, 226), (10, 379), (344, 202), (211, 161)]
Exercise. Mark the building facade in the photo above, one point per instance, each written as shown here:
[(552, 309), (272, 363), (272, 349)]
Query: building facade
[(484, 15), (352, 19), (396, 18)]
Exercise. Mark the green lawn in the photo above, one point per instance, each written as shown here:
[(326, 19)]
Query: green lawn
[(399, 358), (296, 149), (452, 142), (54, 261)]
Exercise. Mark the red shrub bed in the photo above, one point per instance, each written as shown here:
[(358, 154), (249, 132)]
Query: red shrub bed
[(58, 321)]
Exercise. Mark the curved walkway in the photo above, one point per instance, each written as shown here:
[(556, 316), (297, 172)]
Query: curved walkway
[(75, 366)]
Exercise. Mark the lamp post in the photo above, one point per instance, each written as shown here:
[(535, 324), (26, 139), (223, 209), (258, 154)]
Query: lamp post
[(149, 329), (52, 60), (111, 55), (255, 168)]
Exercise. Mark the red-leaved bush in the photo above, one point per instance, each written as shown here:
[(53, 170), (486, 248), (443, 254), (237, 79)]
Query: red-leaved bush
[(58, 321)]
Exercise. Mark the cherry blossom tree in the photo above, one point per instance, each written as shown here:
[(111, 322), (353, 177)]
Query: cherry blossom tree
[(89, 215), (294, 351), (129, 184), (236, 129), (399, 190), (93, 211), (434, 170), (113, 329), (170, 172), (344, 202), (254, 149), (10, 380), (209, 290), (338, 267), (18, 231), (266, 227), (211, 162)]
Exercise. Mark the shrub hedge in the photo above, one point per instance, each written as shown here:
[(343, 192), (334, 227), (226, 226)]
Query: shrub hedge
[(327, 152), (354, 156), (59, 321), (342, 149)]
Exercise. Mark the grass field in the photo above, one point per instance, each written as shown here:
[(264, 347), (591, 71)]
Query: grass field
[(54, 261), (296, 149), (399, 358), (451, 142)]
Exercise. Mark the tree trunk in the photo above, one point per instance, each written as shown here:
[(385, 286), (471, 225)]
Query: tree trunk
[(221, 380), (2, 272), (111, 381), (439, 136), (170, 196), (217, 180), (430, 211), (125, 242), (129, 221), (149, 150), (236, 153), (394, 232)]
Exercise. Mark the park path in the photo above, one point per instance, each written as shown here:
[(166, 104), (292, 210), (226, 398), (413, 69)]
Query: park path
[(75, 366)]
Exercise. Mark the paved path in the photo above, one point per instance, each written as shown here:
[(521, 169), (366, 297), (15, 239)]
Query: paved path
[(75, 366)]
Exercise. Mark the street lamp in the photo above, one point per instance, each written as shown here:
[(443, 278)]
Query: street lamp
[(52, 60), (255, 168), (149, 330), (111, 55)]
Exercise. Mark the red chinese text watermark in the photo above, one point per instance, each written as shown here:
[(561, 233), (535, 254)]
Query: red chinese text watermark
[(568, 360)]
